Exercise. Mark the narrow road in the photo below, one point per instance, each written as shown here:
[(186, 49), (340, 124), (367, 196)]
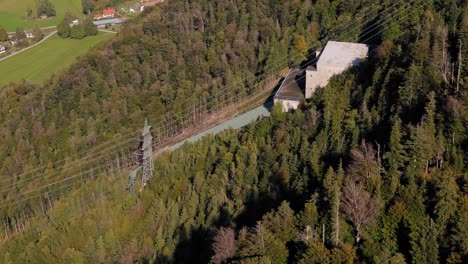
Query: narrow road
[(235, 123), (44, 39), (14, 32), (30, 47), (107, 31)]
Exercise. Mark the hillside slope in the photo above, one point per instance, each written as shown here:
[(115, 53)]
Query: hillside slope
[(372, 169)]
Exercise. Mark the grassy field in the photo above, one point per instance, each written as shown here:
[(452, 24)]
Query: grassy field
[(13, 13), (38, 63)]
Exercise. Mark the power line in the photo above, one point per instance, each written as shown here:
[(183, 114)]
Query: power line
[(160, 122), (47, 223), (166, 129)]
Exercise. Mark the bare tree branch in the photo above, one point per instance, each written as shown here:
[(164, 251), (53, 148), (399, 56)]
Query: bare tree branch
[(224, 245), (363, 162), (360, 208)]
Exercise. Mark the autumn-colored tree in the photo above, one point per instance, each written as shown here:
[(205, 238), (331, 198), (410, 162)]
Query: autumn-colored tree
[(224, 245), (299, 49), (365, 167)]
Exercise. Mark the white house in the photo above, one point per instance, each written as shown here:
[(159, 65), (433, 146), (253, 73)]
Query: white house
[(108, 13), (2, 49), (29, 34)]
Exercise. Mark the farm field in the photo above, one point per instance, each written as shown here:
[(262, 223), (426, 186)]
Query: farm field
[(13, 13), (38, 63)]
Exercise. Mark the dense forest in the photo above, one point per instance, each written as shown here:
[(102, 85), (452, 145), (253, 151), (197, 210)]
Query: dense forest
[(371, 169)]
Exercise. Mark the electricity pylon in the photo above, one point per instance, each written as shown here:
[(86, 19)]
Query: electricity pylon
[(147, 149)]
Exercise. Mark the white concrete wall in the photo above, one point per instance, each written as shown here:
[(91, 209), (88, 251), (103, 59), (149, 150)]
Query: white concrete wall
[(288, 104), (320, 78)]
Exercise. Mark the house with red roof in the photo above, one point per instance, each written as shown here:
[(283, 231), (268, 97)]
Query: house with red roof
[(97, 16), (108, 13)]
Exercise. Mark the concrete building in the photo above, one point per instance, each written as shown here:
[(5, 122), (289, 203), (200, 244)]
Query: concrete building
[(335, 58), (290, 93)]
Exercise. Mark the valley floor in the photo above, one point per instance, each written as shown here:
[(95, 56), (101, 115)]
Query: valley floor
[(38, 63)]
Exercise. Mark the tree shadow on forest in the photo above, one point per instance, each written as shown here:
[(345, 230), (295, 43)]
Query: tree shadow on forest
[(404, 245), (194, 246)]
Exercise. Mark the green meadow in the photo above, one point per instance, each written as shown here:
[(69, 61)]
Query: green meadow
[(52, 56), (13, 13)]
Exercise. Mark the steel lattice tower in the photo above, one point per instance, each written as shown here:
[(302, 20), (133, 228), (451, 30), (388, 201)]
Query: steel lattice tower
[(147, 150)]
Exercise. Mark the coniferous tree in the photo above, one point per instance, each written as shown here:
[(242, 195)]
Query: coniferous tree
[(3, 34), (396, 159)]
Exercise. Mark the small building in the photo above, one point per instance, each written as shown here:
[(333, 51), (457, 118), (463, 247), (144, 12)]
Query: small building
[(334, 59), (97, 16), (137, 8), (2, 49), (74, 22), (290, 92), (13, 40), (29, 34), (108, 13), (111, 21)]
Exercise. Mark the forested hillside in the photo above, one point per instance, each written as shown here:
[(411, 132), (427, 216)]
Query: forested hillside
[(171, 58), (371, 169)]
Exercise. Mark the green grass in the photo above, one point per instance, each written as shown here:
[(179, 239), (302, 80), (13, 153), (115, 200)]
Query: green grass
[(13, 13), (51, 56)]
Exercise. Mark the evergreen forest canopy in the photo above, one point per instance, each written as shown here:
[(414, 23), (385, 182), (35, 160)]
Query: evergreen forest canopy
[(372, 169)]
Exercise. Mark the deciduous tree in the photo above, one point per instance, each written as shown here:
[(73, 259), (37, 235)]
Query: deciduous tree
[(361, 209), (64, 29), (224, 245), (3, 34), (37, 32)]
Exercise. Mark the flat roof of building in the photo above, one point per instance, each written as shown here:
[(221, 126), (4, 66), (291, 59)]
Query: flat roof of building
[(291, 86), (342, 53), (109, 21)]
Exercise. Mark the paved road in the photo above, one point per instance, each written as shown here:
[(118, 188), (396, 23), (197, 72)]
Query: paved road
[(14, 32), (107, 31), (235, 123), (30, 47), (44, 39)]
